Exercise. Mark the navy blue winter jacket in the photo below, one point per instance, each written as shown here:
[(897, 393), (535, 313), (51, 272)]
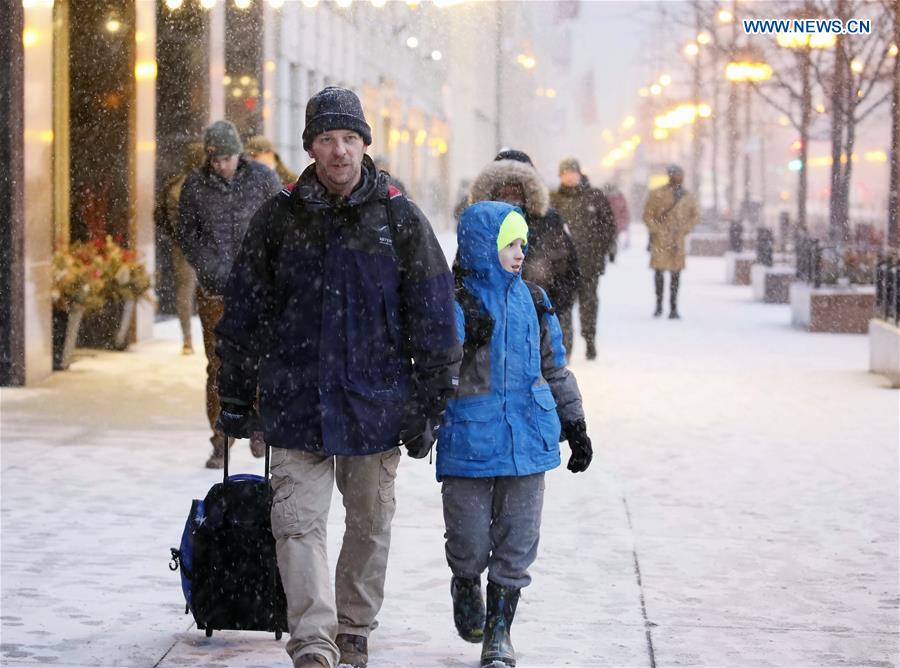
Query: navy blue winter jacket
[(342, 310)]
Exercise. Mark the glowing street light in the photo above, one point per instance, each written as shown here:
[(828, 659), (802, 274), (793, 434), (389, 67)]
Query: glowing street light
[(691, 50), (725, 16), (172, 5), (412, 42), (665, 80), (655, 89), (243, 4), (704, 38), (856, 66), (436, 55), (746, 70)]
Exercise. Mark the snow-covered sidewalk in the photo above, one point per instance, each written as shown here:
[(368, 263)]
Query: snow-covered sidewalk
[(741, 510)]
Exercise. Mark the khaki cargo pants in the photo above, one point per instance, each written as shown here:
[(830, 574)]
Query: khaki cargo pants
[(302, 484)]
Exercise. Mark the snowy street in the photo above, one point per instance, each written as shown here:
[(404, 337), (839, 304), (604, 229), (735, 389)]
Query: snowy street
[(741, 508)]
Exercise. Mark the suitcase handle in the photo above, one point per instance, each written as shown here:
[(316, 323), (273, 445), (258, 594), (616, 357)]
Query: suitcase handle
[(225, 469)]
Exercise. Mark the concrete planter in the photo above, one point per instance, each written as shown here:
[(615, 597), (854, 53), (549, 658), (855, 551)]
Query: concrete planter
[(707, 244), (884, 350), (832, 309), (772, 285), (738, 266)]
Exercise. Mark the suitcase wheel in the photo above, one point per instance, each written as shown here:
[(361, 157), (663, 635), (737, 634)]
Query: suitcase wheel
[(278, 635), (209, 632)]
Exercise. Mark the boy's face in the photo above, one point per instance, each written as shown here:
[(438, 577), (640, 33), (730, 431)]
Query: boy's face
[(512, 256)]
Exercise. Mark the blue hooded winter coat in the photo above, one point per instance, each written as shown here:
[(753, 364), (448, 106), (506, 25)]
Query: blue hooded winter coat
[(504, 419)]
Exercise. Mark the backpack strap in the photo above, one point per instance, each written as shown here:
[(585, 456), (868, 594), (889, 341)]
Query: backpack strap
[(479, 323)]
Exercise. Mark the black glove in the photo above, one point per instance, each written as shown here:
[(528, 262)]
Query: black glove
[(582, 453), (417, 435), (238, 420)]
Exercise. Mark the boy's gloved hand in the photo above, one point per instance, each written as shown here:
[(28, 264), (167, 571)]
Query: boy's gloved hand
[(582, 452), (237, 420)]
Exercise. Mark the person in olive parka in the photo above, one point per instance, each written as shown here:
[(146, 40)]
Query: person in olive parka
[(592, 222)]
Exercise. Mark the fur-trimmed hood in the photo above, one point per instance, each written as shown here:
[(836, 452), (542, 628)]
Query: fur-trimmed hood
[(499, 172)]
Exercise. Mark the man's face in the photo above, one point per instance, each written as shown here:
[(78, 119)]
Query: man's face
[(676, 178), (224, 165), (570, 178), (512, 193), (338, 155), (512, 256), (265, 157)]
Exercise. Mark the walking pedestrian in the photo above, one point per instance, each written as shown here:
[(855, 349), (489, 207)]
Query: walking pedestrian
[(552, 262), (166, 215), (216, 203), (593, 225), (340, 307), (670, 214), (261, 149), (620, 212), (501, 429)]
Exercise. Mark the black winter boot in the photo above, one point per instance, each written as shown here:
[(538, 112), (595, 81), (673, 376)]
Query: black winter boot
[(497, 650), (590, 349), (658, 280), (468, 608)]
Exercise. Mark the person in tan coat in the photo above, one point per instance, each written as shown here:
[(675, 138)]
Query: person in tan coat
[(670, 214)]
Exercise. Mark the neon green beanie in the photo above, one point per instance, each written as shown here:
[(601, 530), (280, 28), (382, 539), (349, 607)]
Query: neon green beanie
[(513, 227)]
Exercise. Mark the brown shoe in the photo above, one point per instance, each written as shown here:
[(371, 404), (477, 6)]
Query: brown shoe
[(311, 661), (217, 458), (257, 444), (354, 649)]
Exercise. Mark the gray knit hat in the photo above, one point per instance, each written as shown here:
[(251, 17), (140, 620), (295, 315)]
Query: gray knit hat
[(334, 108), (222, 138), (569, 165)]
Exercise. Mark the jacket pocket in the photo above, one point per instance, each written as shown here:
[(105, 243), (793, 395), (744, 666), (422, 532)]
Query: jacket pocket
[(473, 430), (545, 415)]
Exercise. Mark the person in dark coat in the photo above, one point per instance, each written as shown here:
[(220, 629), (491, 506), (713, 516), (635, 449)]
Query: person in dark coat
[(340, 308), (552, 262), (593, 225), (214, 209), (165, 213)]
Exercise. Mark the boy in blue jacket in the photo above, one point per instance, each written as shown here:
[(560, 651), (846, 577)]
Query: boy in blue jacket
[(501, 429)]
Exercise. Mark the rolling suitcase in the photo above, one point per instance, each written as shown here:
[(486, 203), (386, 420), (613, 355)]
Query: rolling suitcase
[(229, 574)]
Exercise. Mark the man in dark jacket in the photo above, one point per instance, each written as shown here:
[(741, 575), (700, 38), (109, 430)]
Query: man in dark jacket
[(593, 225), (340, 308), (214, 209), (551, 261)]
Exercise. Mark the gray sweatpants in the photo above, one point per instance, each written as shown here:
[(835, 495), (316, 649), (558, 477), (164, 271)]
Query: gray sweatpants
[(493, 524)]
